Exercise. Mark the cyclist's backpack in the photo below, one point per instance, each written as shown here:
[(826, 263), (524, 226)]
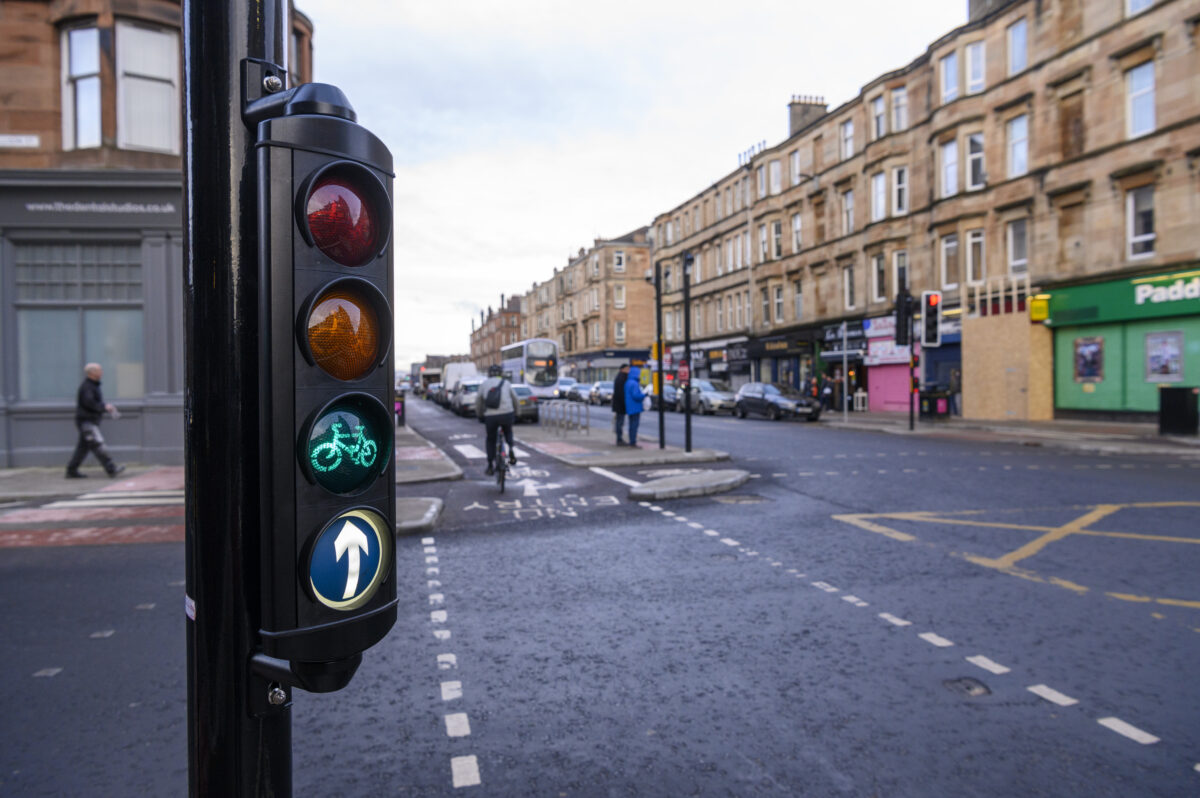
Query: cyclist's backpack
[(492, 399)]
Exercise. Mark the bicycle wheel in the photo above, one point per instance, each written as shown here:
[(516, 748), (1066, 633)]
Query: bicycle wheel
[(501, 463)]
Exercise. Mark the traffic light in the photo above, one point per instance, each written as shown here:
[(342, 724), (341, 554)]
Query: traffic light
[(931, 318), (903, 317), (328, 588)]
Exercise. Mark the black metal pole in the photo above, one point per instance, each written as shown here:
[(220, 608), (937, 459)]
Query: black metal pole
[(658, 383), (687, 351), (232, 750)]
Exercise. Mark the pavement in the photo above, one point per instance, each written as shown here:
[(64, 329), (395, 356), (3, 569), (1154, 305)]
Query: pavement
[(419, 461)]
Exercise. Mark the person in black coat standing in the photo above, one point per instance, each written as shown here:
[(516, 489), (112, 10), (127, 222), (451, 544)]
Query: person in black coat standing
[(618, 403), (89, 408)]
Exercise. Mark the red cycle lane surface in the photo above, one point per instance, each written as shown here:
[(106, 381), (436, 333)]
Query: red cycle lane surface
[(143, 509)]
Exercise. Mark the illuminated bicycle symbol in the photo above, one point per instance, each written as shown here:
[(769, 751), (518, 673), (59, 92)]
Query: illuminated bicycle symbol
[(328, 456)]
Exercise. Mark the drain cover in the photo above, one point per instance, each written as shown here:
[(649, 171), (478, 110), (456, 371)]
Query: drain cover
[(743, 498), (967, 686)]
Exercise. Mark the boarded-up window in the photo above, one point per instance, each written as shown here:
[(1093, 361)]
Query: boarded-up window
[(1070, 236), (1070, 121)]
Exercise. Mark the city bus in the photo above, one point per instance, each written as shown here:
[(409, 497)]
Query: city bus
[(534, 362)]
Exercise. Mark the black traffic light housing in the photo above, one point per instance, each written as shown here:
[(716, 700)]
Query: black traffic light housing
[(327, 567), (904, 314), (931, 318)]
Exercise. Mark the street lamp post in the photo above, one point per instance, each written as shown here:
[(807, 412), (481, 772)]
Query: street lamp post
[(688, 261)]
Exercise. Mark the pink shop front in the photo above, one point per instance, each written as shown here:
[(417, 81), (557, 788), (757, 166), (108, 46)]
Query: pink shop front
[(887, 366)]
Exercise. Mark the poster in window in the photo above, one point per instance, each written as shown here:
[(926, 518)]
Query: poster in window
[(1089, 359), (1164, 357)]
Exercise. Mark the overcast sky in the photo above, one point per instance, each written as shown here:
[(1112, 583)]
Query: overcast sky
[(523, 130)]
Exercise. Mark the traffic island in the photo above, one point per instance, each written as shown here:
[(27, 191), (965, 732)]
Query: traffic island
[(417, 515), (704, 483)]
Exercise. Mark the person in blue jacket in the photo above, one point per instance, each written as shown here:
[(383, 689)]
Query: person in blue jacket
[(633, 402)]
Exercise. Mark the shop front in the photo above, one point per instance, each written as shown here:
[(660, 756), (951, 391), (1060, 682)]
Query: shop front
[(844, 347), (711, 360), (784, 359), (1117, 343), (737, 364), (887, 366)]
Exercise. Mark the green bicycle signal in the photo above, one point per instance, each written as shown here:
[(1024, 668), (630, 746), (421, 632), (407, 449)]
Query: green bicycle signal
[(344, 446)]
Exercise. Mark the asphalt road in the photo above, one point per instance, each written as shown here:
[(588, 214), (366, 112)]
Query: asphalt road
[(870, 615)]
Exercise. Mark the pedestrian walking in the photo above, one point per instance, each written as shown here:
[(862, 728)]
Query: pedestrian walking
[(618, 403), (634, 397), (826, 394), (955, 392), (90, 407)]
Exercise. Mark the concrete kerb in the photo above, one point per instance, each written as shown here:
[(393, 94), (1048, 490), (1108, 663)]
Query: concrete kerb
[(417, 514), (705, 483), (433, 469)]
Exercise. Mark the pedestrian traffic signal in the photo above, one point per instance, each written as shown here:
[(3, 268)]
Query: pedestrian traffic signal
[(931, 318), (325, 391)]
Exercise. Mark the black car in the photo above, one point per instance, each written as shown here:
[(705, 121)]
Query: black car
[(775, 402)]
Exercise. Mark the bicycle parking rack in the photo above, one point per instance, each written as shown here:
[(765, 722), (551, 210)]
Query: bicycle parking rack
[(563, 416)]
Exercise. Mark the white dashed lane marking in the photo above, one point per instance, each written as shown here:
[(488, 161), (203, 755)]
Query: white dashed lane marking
[(988, 665), (458, 725), (1126, 730), (1052, 695), (979, 660), (464, 771)]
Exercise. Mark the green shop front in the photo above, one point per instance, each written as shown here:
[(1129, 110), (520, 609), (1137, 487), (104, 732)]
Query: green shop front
[(1118, 343)]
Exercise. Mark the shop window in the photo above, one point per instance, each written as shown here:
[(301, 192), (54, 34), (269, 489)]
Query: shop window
[(148, 98), (1139, 222), (81, 88), (76, 304)]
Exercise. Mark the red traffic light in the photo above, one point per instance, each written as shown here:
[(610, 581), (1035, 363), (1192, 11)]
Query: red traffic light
[(934, 299), (346, 214)]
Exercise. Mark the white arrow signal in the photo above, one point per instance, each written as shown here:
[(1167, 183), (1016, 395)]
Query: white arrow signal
[(351, 539)]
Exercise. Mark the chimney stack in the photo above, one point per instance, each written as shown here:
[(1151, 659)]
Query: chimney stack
[(803, 110)]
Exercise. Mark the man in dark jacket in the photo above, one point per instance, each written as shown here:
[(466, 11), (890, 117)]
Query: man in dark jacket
[(89, 407), (618, 403)]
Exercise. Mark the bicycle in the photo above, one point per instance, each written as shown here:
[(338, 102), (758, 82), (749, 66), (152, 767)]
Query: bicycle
[(501, 458), (328, 456)]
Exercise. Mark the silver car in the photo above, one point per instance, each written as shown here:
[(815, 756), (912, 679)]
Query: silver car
[(710, 397)]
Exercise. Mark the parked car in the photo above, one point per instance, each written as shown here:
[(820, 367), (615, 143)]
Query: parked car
[(710, 397), (579, 391), (564, 385), (463, 402), (775, 402), (431, 391), (527, 406), (601, 393), (669, 398)]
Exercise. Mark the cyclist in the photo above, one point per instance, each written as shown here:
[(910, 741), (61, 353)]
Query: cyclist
[(500, 417)]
